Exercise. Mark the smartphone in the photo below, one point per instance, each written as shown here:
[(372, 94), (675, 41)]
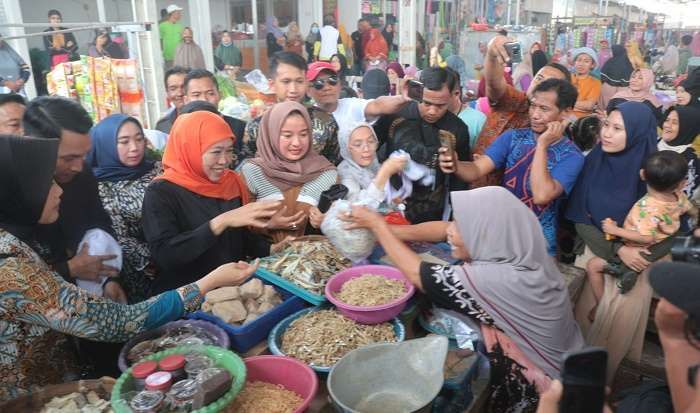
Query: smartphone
[(447, 140), (514, 52), (332, 194), (415, 90), (583, 375)]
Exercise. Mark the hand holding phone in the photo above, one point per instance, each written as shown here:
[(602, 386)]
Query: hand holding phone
[(415, 90), (583, 375), (514, 52)]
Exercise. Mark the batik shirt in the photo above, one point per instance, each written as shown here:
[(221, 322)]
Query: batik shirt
[(38, 309), (514, 151), (123, 201)]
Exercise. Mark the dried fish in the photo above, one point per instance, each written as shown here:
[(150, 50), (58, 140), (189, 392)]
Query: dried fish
[(370, 290), (77, 402), (321, 338), (308, 264)]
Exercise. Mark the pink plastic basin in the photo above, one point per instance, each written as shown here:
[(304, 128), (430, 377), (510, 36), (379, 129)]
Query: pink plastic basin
[(286, 371), (374, 314)]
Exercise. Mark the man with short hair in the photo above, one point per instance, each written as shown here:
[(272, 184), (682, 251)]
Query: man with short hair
[(171, 33), (509, 106), (175, 91), (325, 87), (541, 164), (288, 81), (684, 54), (200, 84), (420, 129), (12, 108), (358, 44)]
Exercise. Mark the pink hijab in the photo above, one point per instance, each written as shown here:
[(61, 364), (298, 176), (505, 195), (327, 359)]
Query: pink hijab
[(643, 94)]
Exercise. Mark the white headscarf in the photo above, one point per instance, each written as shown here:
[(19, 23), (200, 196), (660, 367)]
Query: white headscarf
[(349, 169), (512, 276)]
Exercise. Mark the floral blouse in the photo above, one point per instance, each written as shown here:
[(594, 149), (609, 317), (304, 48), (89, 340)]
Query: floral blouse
[(38, 309), (123, 200)]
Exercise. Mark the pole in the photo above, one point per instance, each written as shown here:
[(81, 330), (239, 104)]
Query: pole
[(256, 41), (101, 14), (508, 13), (607, 2), (517, 12)]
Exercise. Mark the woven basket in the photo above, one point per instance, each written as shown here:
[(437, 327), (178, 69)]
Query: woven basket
[(35, 401)]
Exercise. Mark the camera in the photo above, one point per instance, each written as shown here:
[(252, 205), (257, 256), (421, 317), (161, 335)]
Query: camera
[(686, 249)]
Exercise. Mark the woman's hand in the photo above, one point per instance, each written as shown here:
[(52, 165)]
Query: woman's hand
[(362, 217), (633, 258), (254, 214), (395, 164), (114, 292), (234, 273), (280, 221), (316, 217)]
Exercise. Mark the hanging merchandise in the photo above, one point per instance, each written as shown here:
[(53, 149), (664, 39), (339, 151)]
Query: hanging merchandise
[(103, 86)]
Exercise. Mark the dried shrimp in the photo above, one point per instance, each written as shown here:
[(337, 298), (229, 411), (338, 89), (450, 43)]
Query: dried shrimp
[(370, 290)]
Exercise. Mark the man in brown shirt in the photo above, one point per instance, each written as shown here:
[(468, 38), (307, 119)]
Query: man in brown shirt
[(509, 106)]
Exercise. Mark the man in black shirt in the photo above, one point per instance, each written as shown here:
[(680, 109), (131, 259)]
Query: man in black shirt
[(421, 129), (357, 45)]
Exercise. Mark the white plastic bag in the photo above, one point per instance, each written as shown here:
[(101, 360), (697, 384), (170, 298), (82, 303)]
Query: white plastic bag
[(100, 243), (354, 244)]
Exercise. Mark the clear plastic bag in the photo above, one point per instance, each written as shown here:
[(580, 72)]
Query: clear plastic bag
[(354, 244)]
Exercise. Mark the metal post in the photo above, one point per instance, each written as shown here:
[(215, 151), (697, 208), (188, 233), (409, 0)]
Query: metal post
[(607, 2), (256, 41), (508, 13), (101, 14), (517, 12)]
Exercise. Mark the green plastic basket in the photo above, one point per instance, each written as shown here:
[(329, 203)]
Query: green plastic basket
[(222, 358)]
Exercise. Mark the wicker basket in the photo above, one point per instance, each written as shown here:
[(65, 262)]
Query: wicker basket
[(35, 401)]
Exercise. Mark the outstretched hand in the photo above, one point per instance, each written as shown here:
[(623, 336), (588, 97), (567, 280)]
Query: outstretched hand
[(362, 217)]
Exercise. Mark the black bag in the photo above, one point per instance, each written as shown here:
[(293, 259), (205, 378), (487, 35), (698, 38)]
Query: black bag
[(650, 397), (332, 194)]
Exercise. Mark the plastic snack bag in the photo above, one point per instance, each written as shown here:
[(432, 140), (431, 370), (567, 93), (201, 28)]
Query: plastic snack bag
[(354, 244)]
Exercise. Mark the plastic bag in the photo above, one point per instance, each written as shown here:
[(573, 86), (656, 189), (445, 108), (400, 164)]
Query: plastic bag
[(354, 244), (100, 243), (258, 79)]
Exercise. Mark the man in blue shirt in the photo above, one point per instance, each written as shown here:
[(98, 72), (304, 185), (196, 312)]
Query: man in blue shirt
[(541, 164)]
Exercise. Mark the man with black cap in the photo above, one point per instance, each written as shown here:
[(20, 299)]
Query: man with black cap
[(678, 321)]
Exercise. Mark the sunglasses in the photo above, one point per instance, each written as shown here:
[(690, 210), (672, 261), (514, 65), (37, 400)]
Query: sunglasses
[(318, 84)]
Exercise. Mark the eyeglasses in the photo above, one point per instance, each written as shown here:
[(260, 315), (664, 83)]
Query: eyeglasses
[(371, 145), (318, 84)]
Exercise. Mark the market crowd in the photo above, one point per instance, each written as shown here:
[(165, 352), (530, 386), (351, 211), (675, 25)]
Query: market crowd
[(101, 237)]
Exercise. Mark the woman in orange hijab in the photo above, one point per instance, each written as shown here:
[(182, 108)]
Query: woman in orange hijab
[(196, 214), (376, 50)]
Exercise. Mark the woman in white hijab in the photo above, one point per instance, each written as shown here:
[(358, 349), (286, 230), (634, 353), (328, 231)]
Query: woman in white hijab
[(506, 281)]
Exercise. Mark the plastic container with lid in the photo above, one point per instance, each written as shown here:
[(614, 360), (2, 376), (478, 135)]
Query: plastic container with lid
[(142, 370), (147, 402), (182, 393), (175, 365), (159, 381)]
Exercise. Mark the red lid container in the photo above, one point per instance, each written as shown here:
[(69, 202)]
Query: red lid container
[(172, 363), (144, 369), (159, 381)]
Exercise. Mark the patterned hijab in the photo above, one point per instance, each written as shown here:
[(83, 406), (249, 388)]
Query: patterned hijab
[(512, 276), (363, 175), (609, 183), (191, 135), (103, 156), (281, 172)]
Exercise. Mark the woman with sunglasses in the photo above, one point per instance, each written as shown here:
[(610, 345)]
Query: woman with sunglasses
[(287, 168)]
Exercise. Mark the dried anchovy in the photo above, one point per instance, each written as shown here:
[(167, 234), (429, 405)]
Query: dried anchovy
[(370, 290), (321, 338), (308, 264)]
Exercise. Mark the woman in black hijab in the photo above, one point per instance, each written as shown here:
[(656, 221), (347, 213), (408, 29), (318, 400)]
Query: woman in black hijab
[(615, 75), (40, 308)]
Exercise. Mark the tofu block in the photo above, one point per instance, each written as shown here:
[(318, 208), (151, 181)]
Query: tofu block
[(230, 311), (252, 289), (222, 294)]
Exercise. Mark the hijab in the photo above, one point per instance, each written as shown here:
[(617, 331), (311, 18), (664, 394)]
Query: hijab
[(293, 32), (688, 128), (512, 276), (585, 50), (348, 168), (643, 94), (604, 53), (26, 174), (189, 55), (618, 69), (273, 28), (191, 135), (396, 67), (692, 85), (376, 44), (539, 60), (281, 172), (609, 183), (103, 156), (375, 83)]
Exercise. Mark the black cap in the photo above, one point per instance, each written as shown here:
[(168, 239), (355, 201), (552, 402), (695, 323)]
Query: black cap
[(679, 283)]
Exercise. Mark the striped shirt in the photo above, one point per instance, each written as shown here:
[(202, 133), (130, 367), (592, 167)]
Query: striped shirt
[(263, 190)]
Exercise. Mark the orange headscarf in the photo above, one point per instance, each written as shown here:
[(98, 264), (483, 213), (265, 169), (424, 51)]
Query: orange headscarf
[(376, 45), (191, 135)]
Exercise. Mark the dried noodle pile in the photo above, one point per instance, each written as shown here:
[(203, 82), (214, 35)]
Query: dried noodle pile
[(260, 396), (370, 290), (321, 338)]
